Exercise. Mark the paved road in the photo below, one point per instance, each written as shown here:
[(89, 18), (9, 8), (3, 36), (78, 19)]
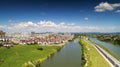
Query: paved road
[(109, 58)]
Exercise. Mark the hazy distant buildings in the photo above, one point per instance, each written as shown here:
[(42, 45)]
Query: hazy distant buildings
[(47, 39), (8, 39), (4, 40), (2, 34)]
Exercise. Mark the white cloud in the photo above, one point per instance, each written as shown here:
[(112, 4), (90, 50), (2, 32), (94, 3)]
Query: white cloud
[(71, 24), (118, 11), (62, 24), (85, 18), (50, 26), (104, 6), (11, 21)]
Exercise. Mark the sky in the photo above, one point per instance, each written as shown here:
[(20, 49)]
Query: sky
[(60, 15)]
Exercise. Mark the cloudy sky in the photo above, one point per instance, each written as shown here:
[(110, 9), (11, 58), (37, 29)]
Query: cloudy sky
[(60, 15)]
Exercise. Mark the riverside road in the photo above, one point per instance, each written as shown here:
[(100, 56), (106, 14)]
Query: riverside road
[(109, 58)]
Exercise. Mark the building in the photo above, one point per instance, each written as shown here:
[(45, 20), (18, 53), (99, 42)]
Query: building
[(2, 34)]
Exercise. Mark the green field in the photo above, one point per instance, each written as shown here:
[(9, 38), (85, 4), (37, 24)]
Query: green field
[(18, 55), (91, 57)]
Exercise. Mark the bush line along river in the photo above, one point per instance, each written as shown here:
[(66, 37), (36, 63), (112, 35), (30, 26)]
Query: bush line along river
[(90, 56)]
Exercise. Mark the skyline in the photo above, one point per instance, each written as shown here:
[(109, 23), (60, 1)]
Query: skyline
[(60, 16)]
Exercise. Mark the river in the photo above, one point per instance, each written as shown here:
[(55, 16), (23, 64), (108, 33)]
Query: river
[(68, 56), (111, 47)]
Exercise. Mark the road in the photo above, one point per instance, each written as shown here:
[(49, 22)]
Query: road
[(109, 58)]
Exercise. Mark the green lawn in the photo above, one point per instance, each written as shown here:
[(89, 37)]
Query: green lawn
[(92, 56), (18, 55)]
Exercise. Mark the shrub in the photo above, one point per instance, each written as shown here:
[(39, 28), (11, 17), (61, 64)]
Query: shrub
[(40, 48), (38, 64)]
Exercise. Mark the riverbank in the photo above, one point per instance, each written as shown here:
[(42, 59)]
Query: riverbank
[(111, 38), (68, 56), (37, 63), (103, 47), (90, 56), (59, 44), (26, 55)]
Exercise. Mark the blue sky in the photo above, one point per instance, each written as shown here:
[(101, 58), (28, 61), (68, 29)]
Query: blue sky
[(85, 14)]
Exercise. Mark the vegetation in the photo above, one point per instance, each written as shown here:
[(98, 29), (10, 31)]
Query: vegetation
[(25, 55), (76, 35), (91, 57), (107, 37), (115, 39), (107, 50)]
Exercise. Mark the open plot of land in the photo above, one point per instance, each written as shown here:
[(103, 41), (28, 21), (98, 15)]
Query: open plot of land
[(92, 56), (17, 55)]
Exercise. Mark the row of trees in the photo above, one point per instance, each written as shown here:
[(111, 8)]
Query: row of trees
[(110, 38)]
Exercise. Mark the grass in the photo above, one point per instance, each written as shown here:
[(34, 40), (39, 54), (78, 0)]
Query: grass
[(18, 55), (91, 57), (107, 50)]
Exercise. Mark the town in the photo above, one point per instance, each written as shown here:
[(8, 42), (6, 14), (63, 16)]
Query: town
[(10, 39)]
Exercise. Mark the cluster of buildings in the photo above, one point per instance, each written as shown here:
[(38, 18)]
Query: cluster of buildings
[(4, 40), (47, 40), (9, 39)]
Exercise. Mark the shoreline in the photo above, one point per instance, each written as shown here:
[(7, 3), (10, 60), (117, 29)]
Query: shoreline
[(40, 60), (90, 56), (106, 50), (60, 44)]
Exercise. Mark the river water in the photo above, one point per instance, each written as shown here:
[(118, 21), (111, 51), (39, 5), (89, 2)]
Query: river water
[(68, 56), (115, 49)]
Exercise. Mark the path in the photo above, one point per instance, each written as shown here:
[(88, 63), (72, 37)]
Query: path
[(109, 58)]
